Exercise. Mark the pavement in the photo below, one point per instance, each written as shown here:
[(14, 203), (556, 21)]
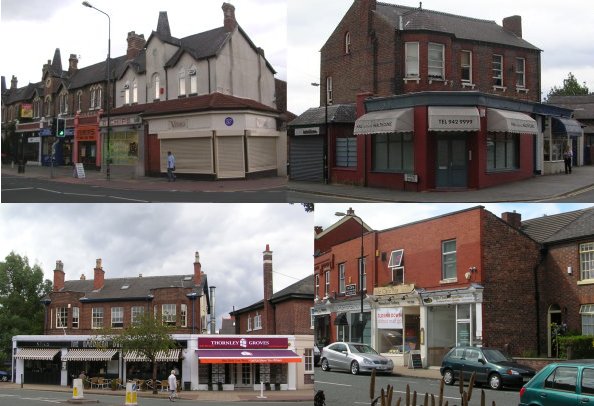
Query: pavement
[(539, 188), (302, 395)]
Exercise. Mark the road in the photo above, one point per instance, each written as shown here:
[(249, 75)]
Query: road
[(344, 389), (25, 397)]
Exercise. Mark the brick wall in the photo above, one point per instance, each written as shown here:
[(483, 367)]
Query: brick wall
[(293, 317)]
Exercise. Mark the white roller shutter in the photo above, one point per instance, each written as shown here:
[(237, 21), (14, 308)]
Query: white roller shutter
[(230, 157), (192, 155), (261, 153)]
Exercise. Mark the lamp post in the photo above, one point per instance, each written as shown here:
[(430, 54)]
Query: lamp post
[(325, 134), (340, 214), (108, 76)]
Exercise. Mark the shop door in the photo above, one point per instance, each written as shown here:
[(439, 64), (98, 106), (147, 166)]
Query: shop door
[(244, 380), (153, 158), (451, 161)]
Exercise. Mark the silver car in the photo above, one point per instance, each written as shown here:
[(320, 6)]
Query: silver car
[(354, 357)]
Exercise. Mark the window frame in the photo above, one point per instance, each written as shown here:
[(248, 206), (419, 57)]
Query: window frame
[(510, 143), (317, 284), (327, 284), (134, 92), (329, 90), (135, 313), (410, 60), (347, 43), (586, 256), (181, 83), (127, 92), (258, 321), (157, 88), (440, 65), (61, 317), (117, 317), (362, 268), (466, 66), (521, 73), (193, 80), (342, 278), (497, 80), (183, 314), (446, 261), (346, 152), (308, 360), (249, 324), (393, 152), (97, 317), (75, 317), (169, 317)]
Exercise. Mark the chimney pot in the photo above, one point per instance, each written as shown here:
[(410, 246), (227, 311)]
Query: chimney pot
[(99, 275), (197, 270), (13, 82), (229, 17), (83, 277), (513, 219), (59, 276)]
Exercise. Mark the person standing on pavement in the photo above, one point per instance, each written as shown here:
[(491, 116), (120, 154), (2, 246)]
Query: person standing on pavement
[(172, 386), (568, 158), (170, 167)]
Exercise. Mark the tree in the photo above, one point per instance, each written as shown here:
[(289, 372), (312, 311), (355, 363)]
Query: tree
[(21, 310), (146, 337), (571, 87)]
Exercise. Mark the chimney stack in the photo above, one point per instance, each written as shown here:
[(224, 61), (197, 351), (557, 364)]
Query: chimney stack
[(59, 276), (269, 327), (13, 82), (197, 270), (135, 44), (513, 219), (99, 279), (72, 63), (163, 25), (83, 277), (318, 229), (213, 315), (514, 25), (229, 17)]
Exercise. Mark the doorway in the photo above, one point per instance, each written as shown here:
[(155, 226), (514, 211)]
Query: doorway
[(451, 168), (554, 318)]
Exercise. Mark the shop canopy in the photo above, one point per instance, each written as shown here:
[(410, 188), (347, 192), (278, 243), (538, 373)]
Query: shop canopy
[(244, 356), (386, 121), (341, 320), (46, 354), (454, 118), (510, 122), (563, 126), (162, 356), (89, 354)]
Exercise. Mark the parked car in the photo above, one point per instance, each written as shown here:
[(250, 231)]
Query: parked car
[(490, 365), (316, 355), (5, 376), (559, 384), (354, 357)]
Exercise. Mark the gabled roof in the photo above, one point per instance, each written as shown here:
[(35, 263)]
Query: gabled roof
[(467, 28), (21, 94), (583, 106), (200, 46), (95, 73), (138, 64), (340, 222), (561, 227), (337, 113)]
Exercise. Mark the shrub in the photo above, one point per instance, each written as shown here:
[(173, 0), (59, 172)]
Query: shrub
[(581, 347)]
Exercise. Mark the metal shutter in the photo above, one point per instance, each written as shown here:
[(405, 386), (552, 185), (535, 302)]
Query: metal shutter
[(230, 159), (306, 160), (261, 153), (192, 155)]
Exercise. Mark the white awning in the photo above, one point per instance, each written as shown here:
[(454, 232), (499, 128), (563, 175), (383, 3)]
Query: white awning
[(162, 356), (386, 121), (454, 119), (510, 122), (37, 353), (89, 355)]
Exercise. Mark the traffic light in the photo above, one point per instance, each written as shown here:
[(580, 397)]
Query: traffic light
[(60, 128)]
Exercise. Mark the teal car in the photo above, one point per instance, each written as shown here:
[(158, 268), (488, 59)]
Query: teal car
[(559, 384)]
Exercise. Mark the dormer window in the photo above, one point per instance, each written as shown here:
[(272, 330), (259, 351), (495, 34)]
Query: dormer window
[(347, 43)]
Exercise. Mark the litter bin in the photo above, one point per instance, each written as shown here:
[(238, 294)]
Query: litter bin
[(21, 167), (187, 386)]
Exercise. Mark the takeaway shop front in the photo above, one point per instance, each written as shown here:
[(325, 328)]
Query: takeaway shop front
[(229, 362)]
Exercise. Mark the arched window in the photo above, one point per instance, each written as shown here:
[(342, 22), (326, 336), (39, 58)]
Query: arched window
[(193, 80), (64, 102), (48, 106), (36, 107), (347, 43), (127, 93), (156, 83), (79, 101), (182, 82)]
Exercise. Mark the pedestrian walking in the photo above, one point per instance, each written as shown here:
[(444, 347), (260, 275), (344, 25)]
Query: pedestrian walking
[(172, 386), (170, 167), (568, 158)]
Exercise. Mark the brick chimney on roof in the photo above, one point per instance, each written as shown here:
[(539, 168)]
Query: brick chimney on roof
[(72, 63), (99, 279), (269, 327), (13, 82), (513, 219), (136, 43), (59, 276), (514, 25), (318, 229), (197, 270), (229, 20)]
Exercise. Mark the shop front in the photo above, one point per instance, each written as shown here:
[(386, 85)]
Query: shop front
[(229, 362), (38, 365), (86, 148), (29, 143), (343, 321), (126, 144)]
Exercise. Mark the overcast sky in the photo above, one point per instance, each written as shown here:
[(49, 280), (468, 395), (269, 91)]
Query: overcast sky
[(33, 29), (386, 215), (562, 29), (160, 239)]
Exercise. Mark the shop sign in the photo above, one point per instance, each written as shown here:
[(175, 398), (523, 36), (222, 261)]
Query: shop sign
[(26, 110), (317, 311), (32, 140), (350, 307), (351, 290), (242, 342), (450, 298), (177, 124), (394, 290), (45, 132), (118, 121), (307, 131), (389, 318)]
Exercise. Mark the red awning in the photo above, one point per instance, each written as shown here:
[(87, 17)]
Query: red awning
[(247, 356)]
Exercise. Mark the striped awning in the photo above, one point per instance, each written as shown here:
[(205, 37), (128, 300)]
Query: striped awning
[(89, 355), (37, 353), (162, 356)]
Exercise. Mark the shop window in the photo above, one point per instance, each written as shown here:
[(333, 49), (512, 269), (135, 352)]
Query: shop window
[(258, 322), (502, 151), (448, 260), (520, 72), (75, 317), (497, 68), (61, 317), (587, 315), (466, 66), (97, 317), (341, 278), (553, 149), (587, 261), (308, 360), (346, 152), (411, 50), (347, 43), (464, 324), (392, 152), (183, 312), (168, 314), (435, 56), (117, 317), (327, 286), (137, 312)]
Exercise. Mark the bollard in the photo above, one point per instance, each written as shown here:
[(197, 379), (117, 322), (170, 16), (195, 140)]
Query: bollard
[(261, 391), (130, 394), (77, 389)]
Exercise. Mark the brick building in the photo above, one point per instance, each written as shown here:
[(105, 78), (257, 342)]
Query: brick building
[(432, 284)]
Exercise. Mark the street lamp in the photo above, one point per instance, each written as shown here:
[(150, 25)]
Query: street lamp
[(325, 134), (340, 214), (108, 159)]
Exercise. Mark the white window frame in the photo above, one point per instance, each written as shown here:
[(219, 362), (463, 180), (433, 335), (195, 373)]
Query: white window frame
[(182, 82), (183, 313), (134, 91), (312, 318), (586, 251), (169, 314), (342, 278), (64, 103), (97, 318), (308, 360), (445, 261), (464, 65), (317, 282), (117, 317), (362, 264), (157, 83), (497, 72), (135, 313), (327, 284), (347, 43), (127, 93), (75, 316), (61, 317), (411, 60), (521, 73), (329, 90), (193, 80), (587, 319), (395, 265), (434, 64), (258, 321), (249, 324)]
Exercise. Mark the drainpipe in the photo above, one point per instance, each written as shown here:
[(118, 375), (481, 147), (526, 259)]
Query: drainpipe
[(543, 254)]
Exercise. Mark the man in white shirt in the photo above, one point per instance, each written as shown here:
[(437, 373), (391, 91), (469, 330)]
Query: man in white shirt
[(170, 167), (172, 386)]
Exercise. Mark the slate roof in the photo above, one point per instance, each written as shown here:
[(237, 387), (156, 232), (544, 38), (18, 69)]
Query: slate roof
[(25, 93), (95, 73), (201, 45), (337, 113), (138, 64), (583, 106), (461, 27), (561, 227), (138, 287)]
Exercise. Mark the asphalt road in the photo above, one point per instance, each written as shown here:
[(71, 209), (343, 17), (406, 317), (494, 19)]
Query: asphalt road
[(344, 389)]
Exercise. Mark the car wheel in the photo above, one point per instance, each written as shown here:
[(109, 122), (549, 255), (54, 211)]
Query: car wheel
[(354, 368), (448, 377), (495, 381), (325, 365)]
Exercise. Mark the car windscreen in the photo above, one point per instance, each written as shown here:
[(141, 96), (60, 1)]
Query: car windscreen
[(495, 355), (361, 349)]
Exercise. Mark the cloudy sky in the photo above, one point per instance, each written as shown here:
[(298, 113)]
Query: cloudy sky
[(32, 30), (159, 239), (562, 29), (386, 215)]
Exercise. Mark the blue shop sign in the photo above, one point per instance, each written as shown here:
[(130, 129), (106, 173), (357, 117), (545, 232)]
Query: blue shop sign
[(45, 132)]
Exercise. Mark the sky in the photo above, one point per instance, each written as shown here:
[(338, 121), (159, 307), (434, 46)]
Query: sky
[(159, 239), (562, 29), (32, 30)]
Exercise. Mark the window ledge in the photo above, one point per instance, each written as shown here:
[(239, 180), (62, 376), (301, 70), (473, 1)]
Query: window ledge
[(412, 79), (468, 84), (450, 280), (501, 88), (521, 90), (439, 80), (586, 282)]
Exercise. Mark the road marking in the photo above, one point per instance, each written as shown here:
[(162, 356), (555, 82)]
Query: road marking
[(332, 383), (129, 199), (18, 188), (51, 191), (82, 194)]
